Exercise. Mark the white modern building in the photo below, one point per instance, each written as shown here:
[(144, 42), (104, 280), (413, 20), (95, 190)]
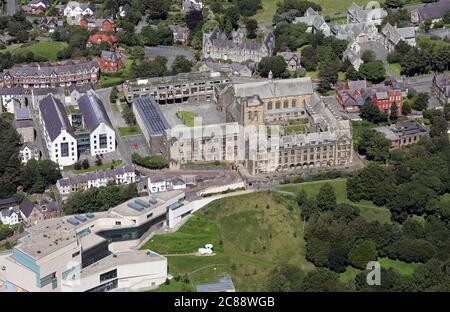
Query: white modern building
[(96, 121), (93, 252), (57, 131)]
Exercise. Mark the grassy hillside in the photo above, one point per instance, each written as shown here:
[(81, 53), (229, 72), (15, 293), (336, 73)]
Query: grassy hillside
[(368, 210), (251, 233), (47, 50)]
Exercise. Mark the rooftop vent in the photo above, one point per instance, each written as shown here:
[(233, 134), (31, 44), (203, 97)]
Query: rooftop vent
[(80, 218), (73, 221)]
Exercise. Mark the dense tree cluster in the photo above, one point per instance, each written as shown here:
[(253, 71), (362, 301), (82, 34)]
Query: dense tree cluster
[(275, 64), (38, 175), (99, 198), (428, 56), (153, 68), (289, 9)]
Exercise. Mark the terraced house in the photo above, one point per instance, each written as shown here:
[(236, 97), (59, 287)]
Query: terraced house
[(47, 75), (122, 175)]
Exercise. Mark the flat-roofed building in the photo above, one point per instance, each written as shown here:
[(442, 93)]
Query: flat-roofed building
[(181, 88), (93, 251)]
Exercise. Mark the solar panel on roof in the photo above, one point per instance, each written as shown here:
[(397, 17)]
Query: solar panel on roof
[(151, 114), (80, 218), (135, 206), (142, 203), (73, 221)]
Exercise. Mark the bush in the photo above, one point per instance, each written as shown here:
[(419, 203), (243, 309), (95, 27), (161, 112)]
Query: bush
[(150, 162), (77, 166), (85, 164), (99, 162)]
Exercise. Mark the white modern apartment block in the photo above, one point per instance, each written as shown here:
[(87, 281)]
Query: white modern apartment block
[(96, 121), (122, 175), (93, 252), (58, 134), (76, 9)]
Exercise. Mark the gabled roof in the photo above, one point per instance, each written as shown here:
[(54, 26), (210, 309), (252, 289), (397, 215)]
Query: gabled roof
[(275, 88), (26, 207), (93, 111), (54, 116)]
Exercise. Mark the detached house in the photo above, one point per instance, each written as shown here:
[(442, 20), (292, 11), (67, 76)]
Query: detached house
[(434, 11), (75, 9), (99, 37), (315, 22), (292, 59), (111, 61), (51, 23), (28, 151), (102, 24), (180, 34), (39, 6)]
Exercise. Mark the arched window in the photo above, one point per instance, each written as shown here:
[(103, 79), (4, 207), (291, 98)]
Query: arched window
[(286, 104), (278, 105), (269, 105), (294, 103)]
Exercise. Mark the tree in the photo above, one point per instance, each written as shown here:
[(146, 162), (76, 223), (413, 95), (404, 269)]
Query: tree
[(98, 162), (374, 145), (248, 7), (362, 253), (85, 164), (285, 277), (322, 280), (251, 25), (276, 64), (328, 75), (427, 24), (370, 112), (9, 157), (438, 126), (301, 197), (394, 3), (373, 71), (352, 74), (157, 9), (393, 111), (310, 58), (128, 115), (368, 56), (421, 101), (153, 36), (138, 53), (193, 19), (77, 166), (411, 250), (181, 65), (326, 198), (337, 259), (232, 16), (446, 17)]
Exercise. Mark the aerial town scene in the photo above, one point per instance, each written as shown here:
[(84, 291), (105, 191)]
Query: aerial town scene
[(224, 146)]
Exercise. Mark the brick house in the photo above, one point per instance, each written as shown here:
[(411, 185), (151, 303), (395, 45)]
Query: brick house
[(111, 61), (99, 37), (102, 24), (384, 100)]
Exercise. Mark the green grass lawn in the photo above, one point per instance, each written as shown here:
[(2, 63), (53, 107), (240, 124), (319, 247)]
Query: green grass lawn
[(337, 6), (187, 118), (198, 165), (296, 126), (267, 12), (401, 267), (247, 237), (313, 75), (115, 108), (128, 131), (367, 209), (112, 79), (47, 50), (94, 167), (396, 67)]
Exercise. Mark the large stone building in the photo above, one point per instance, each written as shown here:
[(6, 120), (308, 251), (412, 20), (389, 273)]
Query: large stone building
[(48, 75), (216, 45), (265, 102), (314, 21), (313, 133), (403, 133), (441, 88), (358, 14)]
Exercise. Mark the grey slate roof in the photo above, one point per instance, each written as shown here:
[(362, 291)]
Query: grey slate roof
[(275, 88), (68, 67), (93, 111), (91, 176), (11, 91), (54, 116), (8, 212), (151, 114), (433, 10), (26, 207), (22, 113)]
